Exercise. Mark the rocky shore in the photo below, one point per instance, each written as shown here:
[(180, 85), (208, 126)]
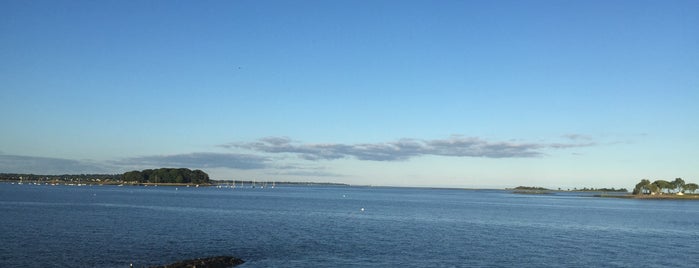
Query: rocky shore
[(211, 262)]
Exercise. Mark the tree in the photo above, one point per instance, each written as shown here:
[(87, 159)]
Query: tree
[(678, 185), (134, 176), (167, 175), (642, 187), (653, 188), (691, 187), (662, 184)]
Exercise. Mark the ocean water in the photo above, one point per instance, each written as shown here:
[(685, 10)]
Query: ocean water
[(304, 226)]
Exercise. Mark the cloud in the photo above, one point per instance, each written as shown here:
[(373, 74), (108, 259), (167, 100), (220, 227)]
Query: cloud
[(403, 149), (263, 149), (576, 137), (306, 173), (49, 165), (200, 160), (297, 169)]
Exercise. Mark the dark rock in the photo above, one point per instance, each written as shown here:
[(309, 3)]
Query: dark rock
[(211, 262)]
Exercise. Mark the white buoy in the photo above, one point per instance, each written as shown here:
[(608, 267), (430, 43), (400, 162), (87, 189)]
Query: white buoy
[(362, 209)]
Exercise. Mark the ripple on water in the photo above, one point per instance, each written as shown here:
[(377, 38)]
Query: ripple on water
[(300, 227)]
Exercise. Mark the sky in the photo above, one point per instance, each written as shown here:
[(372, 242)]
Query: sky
[(483, 94)]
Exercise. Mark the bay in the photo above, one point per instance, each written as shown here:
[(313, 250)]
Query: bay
[(340, 226)]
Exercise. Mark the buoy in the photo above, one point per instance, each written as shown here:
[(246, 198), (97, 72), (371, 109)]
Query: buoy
[(362, 209)]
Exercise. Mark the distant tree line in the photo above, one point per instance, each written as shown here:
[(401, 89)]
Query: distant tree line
[(167, 175), (62, 178), (530, 188), (662, 186), (602, 190)]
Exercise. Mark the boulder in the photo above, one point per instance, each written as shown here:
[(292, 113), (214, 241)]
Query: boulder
[(211, 262)]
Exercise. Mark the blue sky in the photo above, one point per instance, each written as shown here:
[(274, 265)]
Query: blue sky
[(408, 93)]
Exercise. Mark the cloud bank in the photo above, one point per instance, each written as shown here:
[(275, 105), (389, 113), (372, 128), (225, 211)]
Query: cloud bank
[(262, 151), (403, 149), (49, 165)]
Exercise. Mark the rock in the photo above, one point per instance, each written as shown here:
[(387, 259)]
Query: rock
[(211, 262)]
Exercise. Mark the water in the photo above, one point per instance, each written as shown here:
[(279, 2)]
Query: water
[(299, 226)]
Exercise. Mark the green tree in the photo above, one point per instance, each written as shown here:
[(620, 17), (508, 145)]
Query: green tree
[(653, 188), (642, 187), (691, 187), (678, 185), (168, 175), (662, 184), (133, 176)]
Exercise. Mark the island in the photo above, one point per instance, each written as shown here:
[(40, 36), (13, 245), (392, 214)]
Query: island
[(530, 190)]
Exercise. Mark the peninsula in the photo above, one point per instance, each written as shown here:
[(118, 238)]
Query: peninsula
[(162, 176), (663, 189), (542, 190)]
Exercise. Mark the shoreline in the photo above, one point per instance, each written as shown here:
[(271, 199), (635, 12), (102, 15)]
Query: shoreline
[(694, 196), (653, 197), (91, 183)]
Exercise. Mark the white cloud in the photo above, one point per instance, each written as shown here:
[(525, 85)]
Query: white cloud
[(403, 149)]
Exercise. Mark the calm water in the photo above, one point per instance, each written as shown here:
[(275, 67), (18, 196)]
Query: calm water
[(109, 226)]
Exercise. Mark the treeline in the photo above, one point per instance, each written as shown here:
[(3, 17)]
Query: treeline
[(601, 190), (530, 188), (61, 178), (167, 175), (678, 186)]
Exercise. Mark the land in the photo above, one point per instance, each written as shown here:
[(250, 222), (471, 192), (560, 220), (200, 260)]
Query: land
[(162, 176), (677, 189), (65, 179), (654, 197), (542, 190), (530, 190), (167, 175), (645, 190), (138, 180)]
